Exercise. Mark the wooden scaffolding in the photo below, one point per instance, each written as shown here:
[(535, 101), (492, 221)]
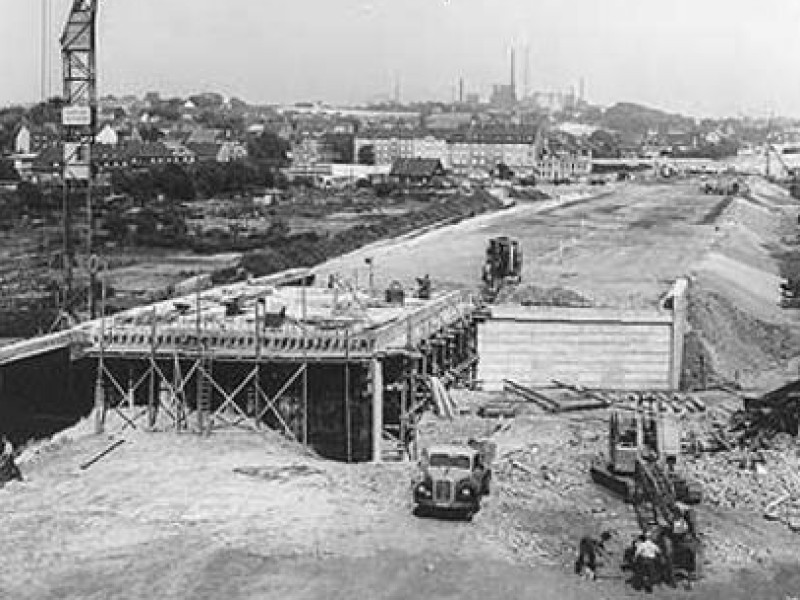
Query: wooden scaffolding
[(202, 379)]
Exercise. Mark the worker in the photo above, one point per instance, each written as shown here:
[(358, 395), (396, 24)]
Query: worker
[(8, 468), (588, 549), (645, 560), (667, 558), (424, 287), (487, 273)]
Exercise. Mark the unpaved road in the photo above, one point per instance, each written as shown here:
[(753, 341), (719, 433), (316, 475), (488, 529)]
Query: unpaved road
[(622, 248), (166, 516)]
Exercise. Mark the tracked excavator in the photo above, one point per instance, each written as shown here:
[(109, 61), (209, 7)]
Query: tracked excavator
[(503, 265), (641, 468)]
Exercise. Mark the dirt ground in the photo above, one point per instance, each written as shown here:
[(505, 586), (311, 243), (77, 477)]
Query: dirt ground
[(625, 248), (243, 515)]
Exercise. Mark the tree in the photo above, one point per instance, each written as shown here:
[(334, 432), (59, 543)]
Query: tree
[(504, 172), (604, 144), (366, 155), (7, 171), (29, 194), (148, 133), (342, 145), (268, 148), (47, 112), (174, 182)]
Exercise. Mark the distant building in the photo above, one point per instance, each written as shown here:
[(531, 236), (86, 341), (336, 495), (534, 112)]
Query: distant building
[(32, 140), (553, 101), (107, 136), (449, 121), (137, 155), (480, 150), (312, 150), (23, 142), (389, 146), (473, 99), (221, 152), (231, 151), (562, 167), (416, 171), (201, 135), (503, 96)]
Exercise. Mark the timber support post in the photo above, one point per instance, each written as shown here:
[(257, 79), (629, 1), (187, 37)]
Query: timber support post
[(377, 409)]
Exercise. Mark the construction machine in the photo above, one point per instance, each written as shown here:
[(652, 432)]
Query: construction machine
[(503, 265), (657, 507), (641, 467), (635, 434)]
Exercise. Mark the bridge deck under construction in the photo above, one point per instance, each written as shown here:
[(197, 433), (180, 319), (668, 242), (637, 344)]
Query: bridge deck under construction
[(342, 370)]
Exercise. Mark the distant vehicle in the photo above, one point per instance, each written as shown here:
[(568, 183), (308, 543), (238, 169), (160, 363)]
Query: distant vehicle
[(503, 265), (454, 478), (724, 186)]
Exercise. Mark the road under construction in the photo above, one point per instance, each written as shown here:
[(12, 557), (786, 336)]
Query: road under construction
[(221, 397)]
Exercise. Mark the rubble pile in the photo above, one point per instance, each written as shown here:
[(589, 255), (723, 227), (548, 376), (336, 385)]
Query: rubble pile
[(777, 412), (531, 295), (543, 495), (767, 482)]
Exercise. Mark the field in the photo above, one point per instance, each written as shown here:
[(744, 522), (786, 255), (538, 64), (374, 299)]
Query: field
[(219, 238)]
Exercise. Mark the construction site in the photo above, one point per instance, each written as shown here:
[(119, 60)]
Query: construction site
[(249, 433), (451, 412)]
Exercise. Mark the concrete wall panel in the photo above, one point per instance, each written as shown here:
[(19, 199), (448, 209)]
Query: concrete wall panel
[(599, 348)]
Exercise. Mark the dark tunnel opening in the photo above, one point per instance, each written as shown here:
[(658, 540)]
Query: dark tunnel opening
[(44, 394)]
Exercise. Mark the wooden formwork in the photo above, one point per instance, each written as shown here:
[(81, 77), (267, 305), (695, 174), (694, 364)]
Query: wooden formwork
[(203, 379)]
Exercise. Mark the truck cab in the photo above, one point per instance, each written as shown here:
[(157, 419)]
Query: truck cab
[(452, 478)]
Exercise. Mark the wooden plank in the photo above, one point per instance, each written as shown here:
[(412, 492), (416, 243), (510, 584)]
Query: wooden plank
[(537, 398)]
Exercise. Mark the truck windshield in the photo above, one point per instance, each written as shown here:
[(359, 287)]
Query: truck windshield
[(446, 460)]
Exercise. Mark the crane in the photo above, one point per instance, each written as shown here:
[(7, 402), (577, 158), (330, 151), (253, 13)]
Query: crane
[(79, 118)]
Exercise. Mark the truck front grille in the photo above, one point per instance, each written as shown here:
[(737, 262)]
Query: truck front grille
[(442, 491)]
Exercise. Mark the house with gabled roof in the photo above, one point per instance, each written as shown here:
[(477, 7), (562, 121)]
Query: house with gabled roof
[(416, 171)]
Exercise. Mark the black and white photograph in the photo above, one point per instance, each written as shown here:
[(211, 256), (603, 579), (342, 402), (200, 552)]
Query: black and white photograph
[(399, 299)]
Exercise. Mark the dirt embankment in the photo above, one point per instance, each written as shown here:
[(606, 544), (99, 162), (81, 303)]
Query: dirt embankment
[(728, 343), (310, 249), (739, 333)]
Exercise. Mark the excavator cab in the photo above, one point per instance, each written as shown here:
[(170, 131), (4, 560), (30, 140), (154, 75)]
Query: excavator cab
[(503, 264), (643, 449)]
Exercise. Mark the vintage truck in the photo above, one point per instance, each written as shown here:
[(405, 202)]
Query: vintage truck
[(453, 478)]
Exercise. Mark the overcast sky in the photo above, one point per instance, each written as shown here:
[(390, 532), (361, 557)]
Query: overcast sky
[(702, 57)]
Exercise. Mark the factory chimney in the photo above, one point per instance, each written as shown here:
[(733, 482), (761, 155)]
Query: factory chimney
[(513, 75)]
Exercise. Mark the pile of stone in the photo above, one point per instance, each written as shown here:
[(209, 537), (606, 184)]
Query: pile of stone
[(767, 482)]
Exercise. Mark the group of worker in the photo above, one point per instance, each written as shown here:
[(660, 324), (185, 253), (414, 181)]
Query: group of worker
[(649, 557)]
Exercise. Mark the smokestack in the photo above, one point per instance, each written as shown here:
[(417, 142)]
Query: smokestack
[(461, 90), (526, 73), (513, 75)]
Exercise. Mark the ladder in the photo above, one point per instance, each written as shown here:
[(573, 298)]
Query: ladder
[(205, 395)]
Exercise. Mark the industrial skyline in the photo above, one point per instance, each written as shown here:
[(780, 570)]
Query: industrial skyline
[(692, 58)]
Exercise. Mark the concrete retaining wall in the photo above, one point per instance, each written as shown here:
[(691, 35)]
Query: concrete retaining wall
[(595, 347)]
